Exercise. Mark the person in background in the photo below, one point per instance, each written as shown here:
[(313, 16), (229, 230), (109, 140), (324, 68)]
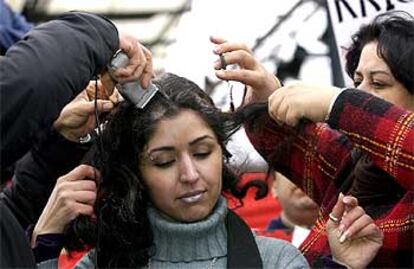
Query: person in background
[(365, 149), (13, 27), (37, 79), (298, 210)]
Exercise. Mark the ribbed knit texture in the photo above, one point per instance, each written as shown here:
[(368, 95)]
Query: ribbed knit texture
[(189, 242), (197, 245)]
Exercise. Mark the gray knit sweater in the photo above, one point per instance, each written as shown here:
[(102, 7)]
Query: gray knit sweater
[(204, 244)]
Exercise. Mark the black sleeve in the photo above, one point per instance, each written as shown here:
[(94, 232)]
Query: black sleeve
[(36, 174), (43, 72), (15, 251)]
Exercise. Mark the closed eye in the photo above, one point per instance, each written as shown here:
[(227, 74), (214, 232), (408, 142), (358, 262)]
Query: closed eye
[(378, 85), (164, 164), (202, 155)]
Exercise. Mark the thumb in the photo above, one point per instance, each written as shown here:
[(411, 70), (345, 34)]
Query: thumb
[(336, 213), (104, 106), (350, 202), (82, 172), (101, 106)]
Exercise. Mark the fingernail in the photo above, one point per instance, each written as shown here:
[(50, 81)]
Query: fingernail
[(107, 105), (343, 237), (340, 230), (347, 199), (217, 49), (144, 85), (217, 64), (220, 72)]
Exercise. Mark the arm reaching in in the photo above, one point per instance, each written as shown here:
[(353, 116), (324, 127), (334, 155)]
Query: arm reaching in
[(73, 195), (77, 118), (353, 236), (38, 78), (140, 61), (259, 82), (299, 100)]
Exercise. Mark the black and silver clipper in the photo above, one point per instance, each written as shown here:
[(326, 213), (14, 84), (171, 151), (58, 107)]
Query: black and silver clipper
[(131, 91)]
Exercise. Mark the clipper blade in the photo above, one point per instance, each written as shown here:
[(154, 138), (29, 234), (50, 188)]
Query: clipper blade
[(131, 91)]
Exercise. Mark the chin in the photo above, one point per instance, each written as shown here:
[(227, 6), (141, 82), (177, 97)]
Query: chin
[(194, 217)]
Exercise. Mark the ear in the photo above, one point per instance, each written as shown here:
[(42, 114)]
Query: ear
[(274, 185)]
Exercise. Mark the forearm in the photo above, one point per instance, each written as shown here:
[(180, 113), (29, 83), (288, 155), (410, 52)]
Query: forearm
[(384, 131), (46, 246), (41, 74), (315, 158), (36, 174)]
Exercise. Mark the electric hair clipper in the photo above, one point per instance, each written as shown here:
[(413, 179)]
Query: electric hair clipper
[(131, 91)]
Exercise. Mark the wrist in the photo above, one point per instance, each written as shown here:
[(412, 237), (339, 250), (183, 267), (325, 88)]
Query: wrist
[(62, 131), (277, 81), (33, 238), (39, 230), (69, 135), (332, 102), (341, 263)]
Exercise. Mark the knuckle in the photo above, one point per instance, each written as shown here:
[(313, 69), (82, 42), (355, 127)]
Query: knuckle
[(60, 189), (60, 180), (373, 227), (244, 56), (244, 75), (86, 210), (368, 219), (68, 204), (93, 198), (360, 210), (244, 47)]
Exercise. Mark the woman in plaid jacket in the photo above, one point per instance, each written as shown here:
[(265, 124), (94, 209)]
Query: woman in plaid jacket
[(330, 141)]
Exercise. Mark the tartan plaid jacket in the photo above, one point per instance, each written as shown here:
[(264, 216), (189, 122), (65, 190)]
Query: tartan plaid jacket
[(319, 160)]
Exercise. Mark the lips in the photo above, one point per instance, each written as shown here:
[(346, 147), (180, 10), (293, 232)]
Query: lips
[(191, 197)]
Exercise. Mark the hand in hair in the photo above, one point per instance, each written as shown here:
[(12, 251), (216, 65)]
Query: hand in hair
[(260, 83), (77, 118), (298, 100), (353, 236), (74, 194), (140, 61)]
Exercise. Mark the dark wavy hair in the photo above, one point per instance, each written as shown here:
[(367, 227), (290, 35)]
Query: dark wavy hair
[(394, 32), (121, 233)]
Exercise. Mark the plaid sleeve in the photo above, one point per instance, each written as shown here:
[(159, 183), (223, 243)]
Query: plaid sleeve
[(380, 129), (314, 158)]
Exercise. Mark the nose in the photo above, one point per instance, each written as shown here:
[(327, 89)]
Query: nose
[(364, 86), (188, 170)]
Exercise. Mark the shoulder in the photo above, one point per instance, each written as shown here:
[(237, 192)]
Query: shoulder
[(277, 253), (48, 264), (86, 262)]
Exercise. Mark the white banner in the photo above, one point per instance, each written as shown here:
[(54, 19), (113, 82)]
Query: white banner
[(348, 15)]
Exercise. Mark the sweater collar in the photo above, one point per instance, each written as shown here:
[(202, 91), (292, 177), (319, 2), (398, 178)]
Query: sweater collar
[(185, 242)]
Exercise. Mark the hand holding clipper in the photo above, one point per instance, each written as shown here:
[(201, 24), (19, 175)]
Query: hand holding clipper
[(131, 91)]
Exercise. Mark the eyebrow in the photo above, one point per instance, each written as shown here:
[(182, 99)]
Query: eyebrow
[(169, 148), (374, 72)]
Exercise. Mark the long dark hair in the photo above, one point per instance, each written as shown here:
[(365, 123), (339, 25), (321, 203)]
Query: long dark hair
[(394, 32), (122, 234)]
